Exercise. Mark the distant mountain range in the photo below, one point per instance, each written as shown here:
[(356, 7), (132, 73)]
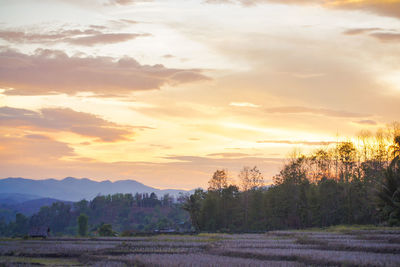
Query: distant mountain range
[(18, 190)]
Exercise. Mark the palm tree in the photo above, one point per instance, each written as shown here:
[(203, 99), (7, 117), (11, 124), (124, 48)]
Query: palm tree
[(389, 193), (396, 148)]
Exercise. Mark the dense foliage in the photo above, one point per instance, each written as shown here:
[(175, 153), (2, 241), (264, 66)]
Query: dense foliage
[(104, 215), (346, 183)]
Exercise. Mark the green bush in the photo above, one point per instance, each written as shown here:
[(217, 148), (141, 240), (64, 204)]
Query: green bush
[(106, 230)]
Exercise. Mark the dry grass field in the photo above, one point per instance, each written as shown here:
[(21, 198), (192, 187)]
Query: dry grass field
[(332, 247)]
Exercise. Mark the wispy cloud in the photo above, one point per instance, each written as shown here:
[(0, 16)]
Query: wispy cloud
[(104, 38), (288, 142), (315, 111), (231, 155), (88, 37), (366, 122), (384, 35), (357, 31)]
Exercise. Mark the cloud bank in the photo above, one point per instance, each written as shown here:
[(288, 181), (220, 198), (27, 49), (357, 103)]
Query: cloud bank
[(54, 72)]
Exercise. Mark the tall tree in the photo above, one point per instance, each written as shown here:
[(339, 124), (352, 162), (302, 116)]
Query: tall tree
[(82, 224), (193, 204), (218, 181), (250, 179), (347, 157)]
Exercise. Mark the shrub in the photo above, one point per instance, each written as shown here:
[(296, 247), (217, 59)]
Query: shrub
[(106, 230)]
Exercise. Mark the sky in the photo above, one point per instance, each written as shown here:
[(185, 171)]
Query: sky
[(165, 92)]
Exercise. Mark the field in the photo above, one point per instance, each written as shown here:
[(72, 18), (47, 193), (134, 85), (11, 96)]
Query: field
[(334, 247)]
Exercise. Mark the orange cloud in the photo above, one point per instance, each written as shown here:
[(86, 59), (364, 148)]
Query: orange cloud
[(32, 149), (52, 71), (59, 119)]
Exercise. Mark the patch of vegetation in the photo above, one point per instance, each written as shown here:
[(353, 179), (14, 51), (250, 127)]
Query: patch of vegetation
[(40, 261), (306, 240), (342, 228)]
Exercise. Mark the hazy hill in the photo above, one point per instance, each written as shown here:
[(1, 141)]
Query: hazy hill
[(32, 206), (15, 198), (13, 203), (73, 189)]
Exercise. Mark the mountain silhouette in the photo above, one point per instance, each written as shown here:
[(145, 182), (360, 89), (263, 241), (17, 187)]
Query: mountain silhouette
[(74, 189)]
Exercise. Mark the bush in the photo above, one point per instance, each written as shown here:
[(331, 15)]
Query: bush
[(106, 230)]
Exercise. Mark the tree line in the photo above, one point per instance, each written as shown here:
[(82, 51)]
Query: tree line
[(104, 215), (349, 182)]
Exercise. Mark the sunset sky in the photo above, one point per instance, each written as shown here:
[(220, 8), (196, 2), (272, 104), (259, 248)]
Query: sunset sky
[(167, 91)]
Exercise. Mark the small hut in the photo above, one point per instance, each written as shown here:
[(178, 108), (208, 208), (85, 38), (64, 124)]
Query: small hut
[(40, 231)]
